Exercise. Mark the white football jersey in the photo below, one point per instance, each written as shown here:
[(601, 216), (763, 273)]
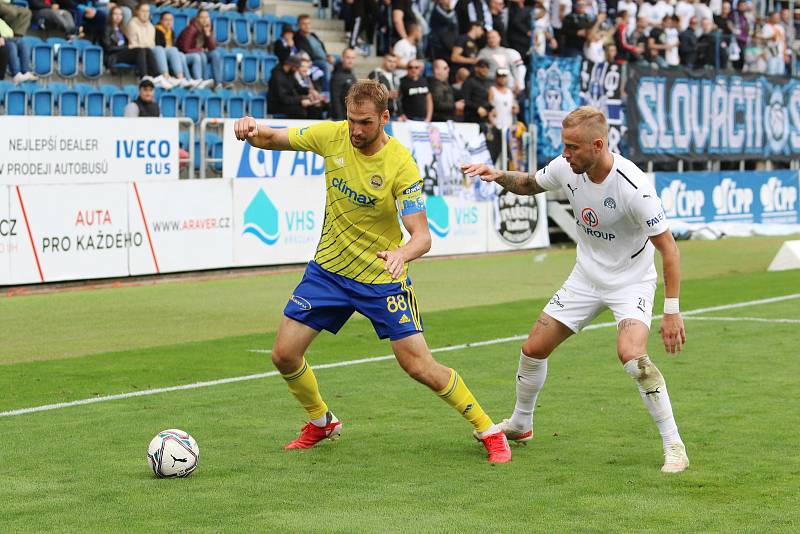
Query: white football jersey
[(615, 220)]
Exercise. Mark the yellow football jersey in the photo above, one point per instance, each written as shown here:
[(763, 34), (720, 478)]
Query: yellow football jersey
[(362, 199)]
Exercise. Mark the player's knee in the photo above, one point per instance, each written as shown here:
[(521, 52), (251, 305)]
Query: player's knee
[(534, 349), (646, 373), (282, 357)]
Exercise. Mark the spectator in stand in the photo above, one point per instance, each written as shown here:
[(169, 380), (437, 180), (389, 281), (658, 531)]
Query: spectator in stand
[(632, 8), (576, 29), (741, 30), (54, 17), (629, 51), (465, 52), (116, 50), (416, 101), (284, 46), (476, 94), (445, 104), (504, 105), (18, 18), (593, 48), (723, 20), (177, 60), (685, 11), (473, 11), (702, 11), (386, 75), (286, 96), (444, 30), (639, 36), (341, 81), (402, 15), (308, 42), (647, 9), (498, 57), (500, 19), (360, 20), (461, 76), (712, 51), (303, 76), (788, 28), (519, 32), (656, 49), (406, 49), (610, 53), (3, 57), (19, 56), (90, 18), (663, 9), (687, 47), (672, 40), (197, 41), (775, 42), (384, 27), (145, 105), (142, 34), (544, 41)]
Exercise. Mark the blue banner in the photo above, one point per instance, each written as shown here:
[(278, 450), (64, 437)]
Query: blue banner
[(742, 197), (555, 91)]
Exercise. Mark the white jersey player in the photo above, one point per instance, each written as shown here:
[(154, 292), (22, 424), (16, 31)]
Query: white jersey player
[(621, 224)]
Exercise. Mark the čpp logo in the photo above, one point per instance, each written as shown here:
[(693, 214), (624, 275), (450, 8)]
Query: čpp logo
[(680, 202), (438, 215), (261, 219), (778, 197), (729, 199)]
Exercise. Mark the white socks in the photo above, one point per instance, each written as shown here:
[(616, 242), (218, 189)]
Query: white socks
[(530, 379), (653, 391), (324, 420)]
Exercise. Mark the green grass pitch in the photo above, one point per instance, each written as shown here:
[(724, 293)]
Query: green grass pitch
[(406, 462)]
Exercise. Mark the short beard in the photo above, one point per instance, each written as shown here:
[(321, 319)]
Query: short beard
[(366, 142)]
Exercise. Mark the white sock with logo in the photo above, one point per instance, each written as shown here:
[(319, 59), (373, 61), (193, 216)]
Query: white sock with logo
[(530, 379), (653, 390)]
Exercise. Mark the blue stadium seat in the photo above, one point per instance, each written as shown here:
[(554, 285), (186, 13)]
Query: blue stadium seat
[(42, 102), (181, 21), (56, 43), (155, 15), (20, 3), (191, 11), (131, 90), (69, 103), (214, 149), (262, 32), (258, 106), (68, 60), (117, 103), (253, 4), (92, 61), (192, 106), (183, 140), (108, 89), (215, 107), (289, 20), (241, 29), (31, 40), (222, 28), (235, 106), (249, 67), (168, 102), (83, 88), (57, 87), (43, 59), (16, 102), (229, 67), (95, 104), (5, 86), (268, 63)]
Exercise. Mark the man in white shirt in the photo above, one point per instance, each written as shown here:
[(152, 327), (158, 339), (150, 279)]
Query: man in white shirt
[(685, 11), (620, 225), (406, 49)]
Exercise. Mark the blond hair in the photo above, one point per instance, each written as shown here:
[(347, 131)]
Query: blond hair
[(591, 120), (368, 91)]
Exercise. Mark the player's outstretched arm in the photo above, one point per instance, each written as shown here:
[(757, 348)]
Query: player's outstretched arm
[(520, 183), (247, 129), (418, 244), (673, 333)]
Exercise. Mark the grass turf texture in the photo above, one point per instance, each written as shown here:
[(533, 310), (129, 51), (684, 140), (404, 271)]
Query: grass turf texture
[(406, 462)]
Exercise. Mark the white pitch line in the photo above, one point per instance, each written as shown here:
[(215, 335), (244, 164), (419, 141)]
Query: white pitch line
[(748, 319), (209, 383)]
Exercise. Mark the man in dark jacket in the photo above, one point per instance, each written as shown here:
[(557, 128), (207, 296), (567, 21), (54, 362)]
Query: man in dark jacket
[(476, 94), (286, 96), (341, 81), (687, 44), (519, 30), (145, 105), (307, 41), (443, 30), (444, 101), (576, 29)]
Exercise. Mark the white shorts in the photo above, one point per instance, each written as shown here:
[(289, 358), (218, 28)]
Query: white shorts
[(579, 301)]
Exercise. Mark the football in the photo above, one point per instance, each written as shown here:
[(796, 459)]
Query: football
[(173, 453)]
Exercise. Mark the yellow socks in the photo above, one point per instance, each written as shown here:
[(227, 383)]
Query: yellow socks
[(458, 395), (303, 385)]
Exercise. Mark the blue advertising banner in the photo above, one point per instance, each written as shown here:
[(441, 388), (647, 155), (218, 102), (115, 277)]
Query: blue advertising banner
[(703, 115), (744, 197)]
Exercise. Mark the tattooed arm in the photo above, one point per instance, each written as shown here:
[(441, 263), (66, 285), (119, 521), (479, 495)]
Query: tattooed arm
[(521, 183)]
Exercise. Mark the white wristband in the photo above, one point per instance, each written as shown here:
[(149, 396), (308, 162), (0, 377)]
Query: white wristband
[(671, 306)]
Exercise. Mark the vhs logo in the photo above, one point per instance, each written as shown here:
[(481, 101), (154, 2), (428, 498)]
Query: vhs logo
[(262, 219), (464, 217)]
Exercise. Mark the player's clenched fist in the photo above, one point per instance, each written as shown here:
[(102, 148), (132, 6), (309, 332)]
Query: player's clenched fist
[(245, 128), (484, 172)]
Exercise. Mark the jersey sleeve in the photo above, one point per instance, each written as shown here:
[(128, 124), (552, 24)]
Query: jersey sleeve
[(647, 212), (408, 190), (549, 176), (313, 138)]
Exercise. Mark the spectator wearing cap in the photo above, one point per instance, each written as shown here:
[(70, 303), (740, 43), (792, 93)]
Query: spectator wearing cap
[(341, 81), (466, 50), (286, 96), (576, 29), (476, 94), (284, 46), (501, 98), (444, 101), (416, 102), (145, 104)]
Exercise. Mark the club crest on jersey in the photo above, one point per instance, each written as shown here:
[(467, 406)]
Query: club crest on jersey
[(589, 217), (376, 181), (610, 203)]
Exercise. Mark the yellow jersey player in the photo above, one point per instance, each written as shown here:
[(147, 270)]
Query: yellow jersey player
[(361, 263)]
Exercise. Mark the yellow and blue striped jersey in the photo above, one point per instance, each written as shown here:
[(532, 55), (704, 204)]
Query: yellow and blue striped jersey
[(362, 199)]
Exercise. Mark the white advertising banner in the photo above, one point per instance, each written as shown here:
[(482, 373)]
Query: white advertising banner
[(240, 160), (78, 231), (187, 225), (68, 150), (277, 220), (457, 225)]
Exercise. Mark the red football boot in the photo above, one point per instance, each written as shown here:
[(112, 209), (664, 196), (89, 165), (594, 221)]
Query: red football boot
[(497, 446), (312, 434)]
